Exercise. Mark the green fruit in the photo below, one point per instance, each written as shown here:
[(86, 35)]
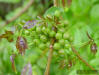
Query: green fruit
[(43, 38), (66, 35), (48, 44), (62, 41), (38, 29), (42, 46), (56, 46), (58, 36), (66, 9), (36, 41), (52, 34), (43, 29), (67, 46), (57, 13), (62, 30)]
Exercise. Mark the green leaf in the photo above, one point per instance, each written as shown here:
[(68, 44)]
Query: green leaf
[(94, 14), (51, 11)]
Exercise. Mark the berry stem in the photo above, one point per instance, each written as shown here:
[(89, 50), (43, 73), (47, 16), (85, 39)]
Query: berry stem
[(79, 57), (49, 58)]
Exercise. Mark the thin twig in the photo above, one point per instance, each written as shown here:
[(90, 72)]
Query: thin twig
[(74, 50), (20, 13)]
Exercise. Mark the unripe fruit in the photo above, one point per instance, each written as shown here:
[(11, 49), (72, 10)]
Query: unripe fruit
[(56, 46), (67, 46), (52, 34), (57, 13), (48, 44), (38, 29), (62, 41), (66, 35), (62, 30), (66, 9), (42, 46), (36, 41), (43, 38), (43, 29), (58, 36)]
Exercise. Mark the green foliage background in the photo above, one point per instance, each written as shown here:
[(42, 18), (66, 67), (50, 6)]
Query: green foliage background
[(83, 15)]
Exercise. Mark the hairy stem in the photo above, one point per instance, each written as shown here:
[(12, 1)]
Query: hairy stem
[(78, 55)]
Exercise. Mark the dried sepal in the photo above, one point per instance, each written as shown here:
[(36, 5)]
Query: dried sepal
[(8, 35), (27, 70), (12, 57), (30, 24), (93, 48), (21, 45)]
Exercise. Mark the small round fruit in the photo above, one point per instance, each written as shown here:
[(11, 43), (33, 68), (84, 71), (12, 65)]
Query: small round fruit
[(66, 9), (36, 41), (67, 46), (38, 29), (43, 38), (56, 46), (42, 46), (62, 41), (57, 13), (58, 36), (66, 35), (62, 30), (52, 34)]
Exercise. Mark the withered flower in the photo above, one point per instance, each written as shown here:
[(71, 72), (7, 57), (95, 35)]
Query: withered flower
[(8, 35), (30, 24), (27, 70), (12, 57), (21, 45), (93, 48)]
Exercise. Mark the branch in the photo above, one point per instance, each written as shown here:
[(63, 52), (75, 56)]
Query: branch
[(77, 54), (20, 13), (49, 58)]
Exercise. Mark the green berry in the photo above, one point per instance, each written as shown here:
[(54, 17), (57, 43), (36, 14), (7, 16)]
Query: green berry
[(52, 34), (56, 46), (43, 38), (42, 46), (66, 9), (58, 36), (38, 29), (66, 35), (62, 30), (57, 13), (36, 41), (62, 41), (67, 46)]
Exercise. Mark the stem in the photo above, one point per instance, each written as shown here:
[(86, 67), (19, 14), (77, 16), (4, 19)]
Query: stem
[(63, 3), (78, 55), (20, 13), (55, 3), (49, 58)]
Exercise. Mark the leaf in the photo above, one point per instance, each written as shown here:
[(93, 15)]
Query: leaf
[(8, 35), (94, 14), (27, 70), (21, 45), (12, 57), (51, 11)]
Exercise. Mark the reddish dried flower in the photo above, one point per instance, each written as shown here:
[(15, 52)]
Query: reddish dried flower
[(93, 48), (21, 45), (8, 35), (27, 69)]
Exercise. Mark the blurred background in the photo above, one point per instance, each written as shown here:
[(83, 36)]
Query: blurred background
[(83, 14)]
